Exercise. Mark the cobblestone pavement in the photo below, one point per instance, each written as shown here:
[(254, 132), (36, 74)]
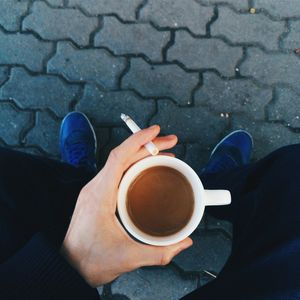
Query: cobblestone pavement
[(198, 68)]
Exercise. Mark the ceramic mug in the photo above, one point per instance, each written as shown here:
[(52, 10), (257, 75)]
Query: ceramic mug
[(202, 198)]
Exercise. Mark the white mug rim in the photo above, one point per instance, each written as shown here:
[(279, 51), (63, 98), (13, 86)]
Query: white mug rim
[(192, 177)]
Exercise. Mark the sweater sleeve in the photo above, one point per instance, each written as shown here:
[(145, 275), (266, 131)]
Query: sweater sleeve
[(37, 271)]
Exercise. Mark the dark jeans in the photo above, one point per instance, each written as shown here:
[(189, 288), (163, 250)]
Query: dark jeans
[(37, 197)]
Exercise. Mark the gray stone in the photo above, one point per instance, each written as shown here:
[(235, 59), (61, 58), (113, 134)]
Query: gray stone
[(190, 124), (286, 107), (59, 24), (238, 4), (118, 136), (153, 283), (160, 80), (93, 65), (10, 13), (272, 69), (178, 150), (100, 290), (132, 38), (3, 74), (39, 91), (197, 154), (12, 121), (23, 49), (177, 13), (210, 251), (248, 28), (45, 133), (216, 224), (106, 107), (292, 40), (204, 53), (267, 136), (280, 9), (55, 2), (125, 9), (233, 96)]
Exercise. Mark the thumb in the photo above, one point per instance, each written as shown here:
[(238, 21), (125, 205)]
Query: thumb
[(156, 255)]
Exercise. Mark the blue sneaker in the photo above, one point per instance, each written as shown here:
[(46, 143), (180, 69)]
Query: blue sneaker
[(78, 142), (234, 150)]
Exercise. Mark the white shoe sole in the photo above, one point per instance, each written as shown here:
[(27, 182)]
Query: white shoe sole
[(227, 136)]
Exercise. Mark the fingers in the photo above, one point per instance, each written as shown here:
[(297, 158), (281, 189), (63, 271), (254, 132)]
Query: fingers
[(121, 157), (153, 255), (162, 143)]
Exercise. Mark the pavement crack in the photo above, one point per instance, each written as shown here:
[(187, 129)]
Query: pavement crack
[(283, 36), (211, 21), (168, 45), (139, 8)]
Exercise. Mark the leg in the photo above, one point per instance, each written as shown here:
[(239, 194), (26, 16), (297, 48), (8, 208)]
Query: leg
[(36, 194), (265, 212)]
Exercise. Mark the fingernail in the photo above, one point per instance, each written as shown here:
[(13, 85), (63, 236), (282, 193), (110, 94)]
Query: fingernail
[(153, 126)]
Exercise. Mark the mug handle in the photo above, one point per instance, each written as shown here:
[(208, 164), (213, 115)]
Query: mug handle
[(217, 197)]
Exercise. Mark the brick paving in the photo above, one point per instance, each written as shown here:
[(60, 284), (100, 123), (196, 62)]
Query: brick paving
[(199, 68)]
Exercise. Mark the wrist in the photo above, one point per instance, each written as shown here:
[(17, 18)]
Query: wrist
[(75, 258)]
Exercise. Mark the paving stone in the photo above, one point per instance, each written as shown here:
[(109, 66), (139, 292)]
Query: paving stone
[(55, 2), (125, 9), (94, 65), (217, 224), (39, 91), (248, 28), (190, 124), (204, 53), (160, 80), (106, 107), (143, 38), (100, 290), (197, 154), (58, 24), (271, 69), (233, 96), (45, 133), (177, 13), (286, 107), (3, 74), (12, 121), (23, 49), (238, 4), (267, 136), (280, 9), (292, 40), (210, 251), (153, 283), (178, 150), (10, 13)]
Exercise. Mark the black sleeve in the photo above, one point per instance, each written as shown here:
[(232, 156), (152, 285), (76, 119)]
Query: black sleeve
[(38, 271)]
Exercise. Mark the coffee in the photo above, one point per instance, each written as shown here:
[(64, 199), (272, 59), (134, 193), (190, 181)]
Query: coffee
[(160, 201)]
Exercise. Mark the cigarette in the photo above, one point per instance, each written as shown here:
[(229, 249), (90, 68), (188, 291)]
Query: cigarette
[(135, 128)]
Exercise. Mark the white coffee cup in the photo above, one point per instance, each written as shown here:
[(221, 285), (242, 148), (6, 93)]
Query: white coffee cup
[(202, 198)]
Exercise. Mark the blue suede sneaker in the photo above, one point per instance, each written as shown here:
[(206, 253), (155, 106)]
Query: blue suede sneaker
[(232, 151), (78, 142)]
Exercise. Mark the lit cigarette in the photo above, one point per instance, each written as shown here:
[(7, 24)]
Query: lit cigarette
[(134, 128)]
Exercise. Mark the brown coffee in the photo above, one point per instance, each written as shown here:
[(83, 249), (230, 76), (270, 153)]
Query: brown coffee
[(160, 201)]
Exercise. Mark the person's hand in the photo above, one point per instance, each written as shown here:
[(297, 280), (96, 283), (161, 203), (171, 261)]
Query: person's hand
[(96, 243)]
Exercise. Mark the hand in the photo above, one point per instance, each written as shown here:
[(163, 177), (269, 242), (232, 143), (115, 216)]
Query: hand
[(96, 243)]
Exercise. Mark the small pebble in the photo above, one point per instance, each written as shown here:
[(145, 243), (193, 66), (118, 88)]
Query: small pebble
[(252, 10)]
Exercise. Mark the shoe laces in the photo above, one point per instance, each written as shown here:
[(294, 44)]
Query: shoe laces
[(79, 152)]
